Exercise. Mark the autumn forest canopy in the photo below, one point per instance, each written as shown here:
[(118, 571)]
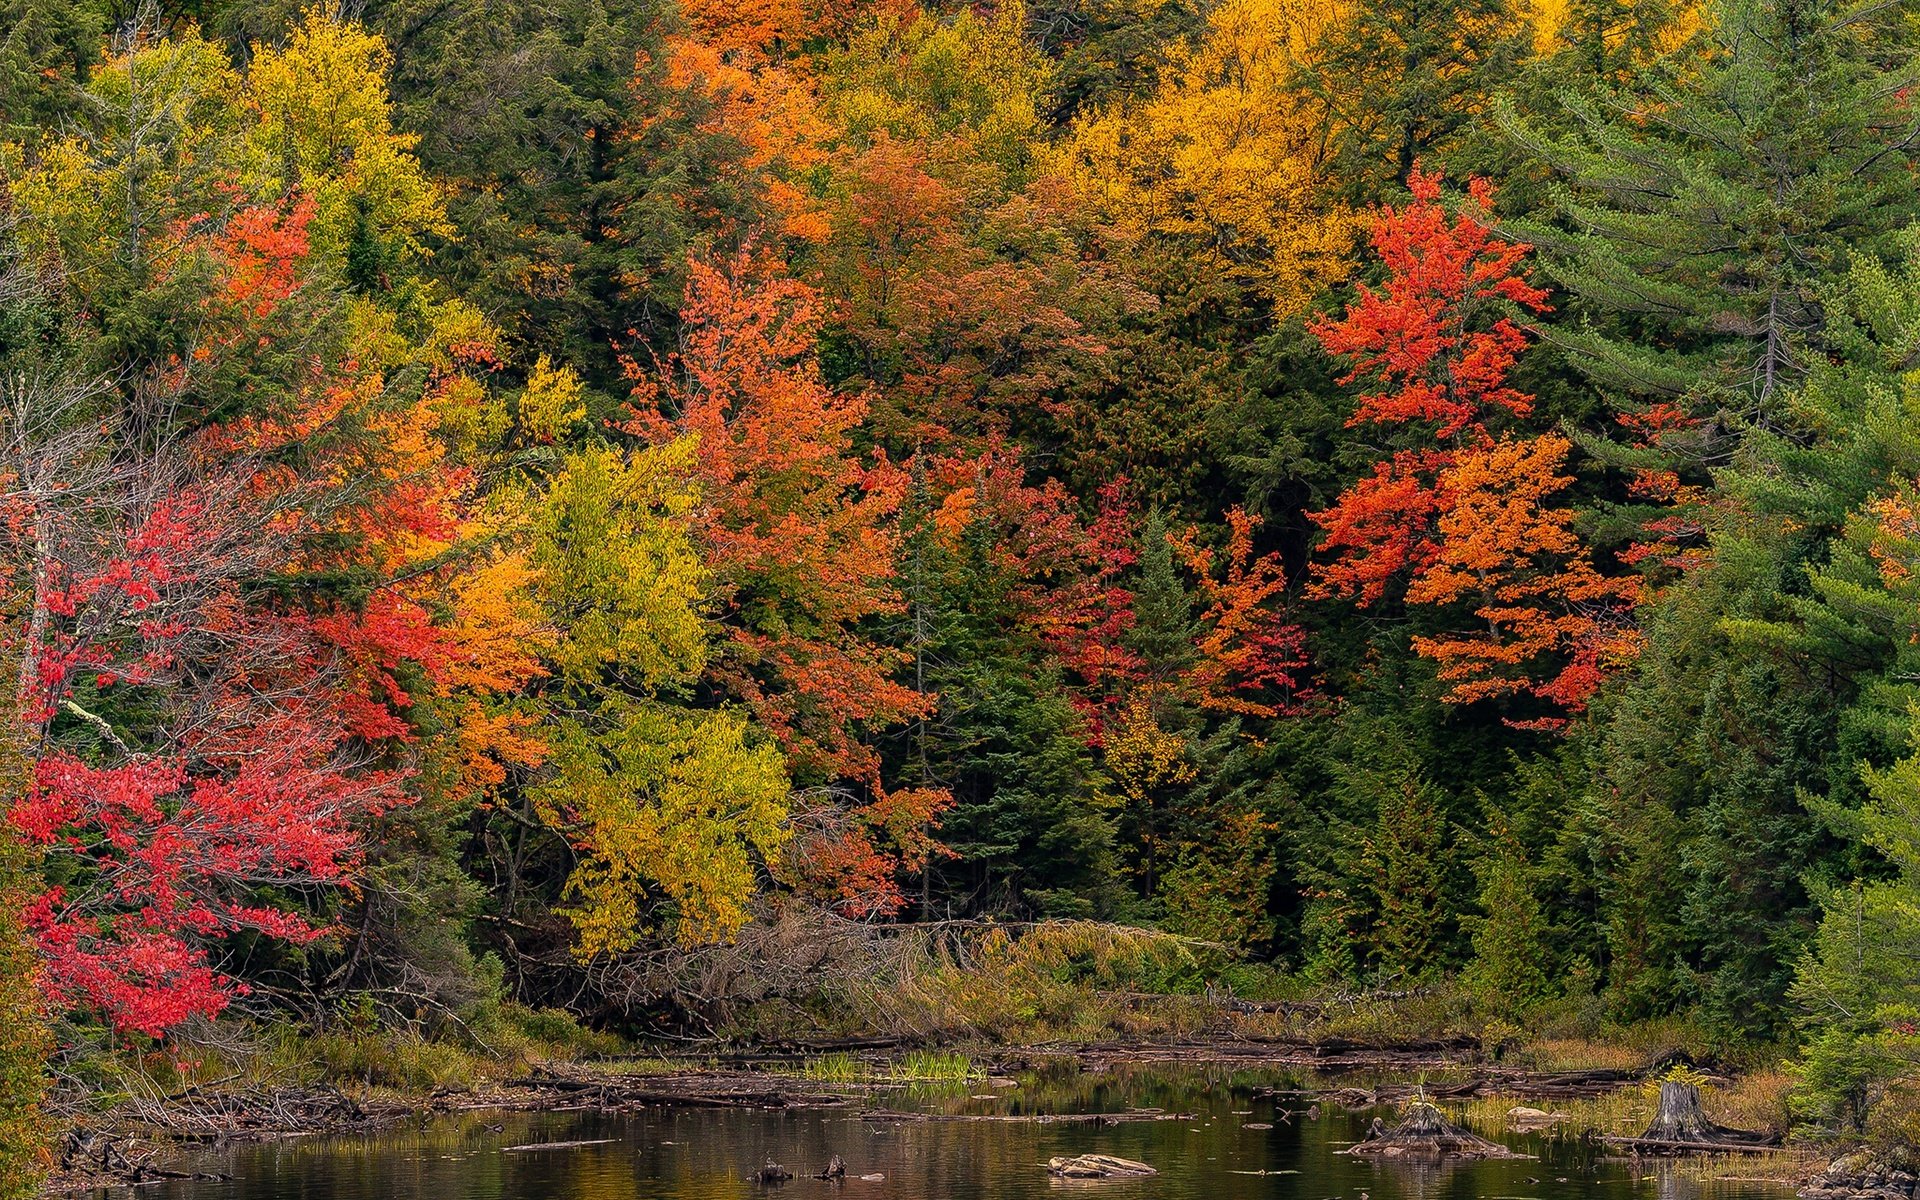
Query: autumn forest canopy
[(515, 507)]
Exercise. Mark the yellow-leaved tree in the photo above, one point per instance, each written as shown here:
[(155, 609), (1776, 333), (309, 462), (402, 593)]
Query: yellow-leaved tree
[(324, 126), (1229, 154), (669, 808)]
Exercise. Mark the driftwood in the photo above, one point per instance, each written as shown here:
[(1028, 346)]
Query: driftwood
[(530, 1146), (773, 1172), (1681, 1126), (1424, 1133), (697, 1089), (835, 1169), (108, 1159), (1098, 1166)]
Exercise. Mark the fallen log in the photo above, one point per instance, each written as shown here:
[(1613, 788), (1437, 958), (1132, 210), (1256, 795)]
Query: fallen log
[(1096, 1119), (1098, 1166), (1634, 1143)]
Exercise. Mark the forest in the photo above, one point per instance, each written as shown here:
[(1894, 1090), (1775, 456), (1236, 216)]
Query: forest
[(579, 518)]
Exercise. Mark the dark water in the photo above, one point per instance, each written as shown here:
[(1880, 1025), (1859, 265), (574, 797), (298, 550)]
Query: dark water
[(707, 1154)]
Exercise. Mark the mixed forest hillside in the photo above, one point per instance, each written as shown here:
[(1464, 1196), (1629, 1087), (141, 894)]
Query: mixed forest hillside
[(594, 518)]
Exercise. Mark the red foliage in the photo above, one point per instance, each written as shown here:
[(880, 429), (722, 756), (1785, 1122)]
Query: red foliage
[(1063, 572), (202, 748), (1461, 515), (1252, 659)]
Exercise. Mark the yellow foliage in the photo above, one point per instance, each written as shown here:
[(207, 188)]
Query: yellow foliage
[(166, 112), (324, 125), (666, 803), (621, 577), (1672, 26), (551, 403), (1141, 756), (662, 803), (968, 87), (498, 625), (1227, 155)]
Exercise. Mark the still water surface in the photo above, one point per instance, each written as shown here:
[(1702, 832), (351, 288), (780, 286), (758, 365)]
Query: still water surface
[(709, 1154)]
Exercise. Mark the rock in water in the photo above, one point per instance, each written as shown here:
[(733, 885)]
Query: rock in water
[(773, 1172), (1098, 1166), (835, 1169), (1529, 1119)]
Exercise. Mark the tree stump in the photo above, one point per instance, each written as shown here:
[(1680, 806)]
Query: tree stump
[(1681, 1126), (1424, 1133)]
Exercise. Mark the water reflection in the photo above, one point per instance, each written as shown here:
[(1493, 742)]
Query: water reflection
[(703, 1154)]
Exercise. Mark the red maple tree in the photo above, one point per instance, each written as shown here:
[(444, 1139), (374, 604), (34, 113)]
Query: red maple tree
[(1459, 514)]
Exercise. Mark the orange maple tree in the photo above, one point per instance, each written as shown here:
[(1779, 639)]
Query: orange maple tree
[(1464, 516), (801, 535)]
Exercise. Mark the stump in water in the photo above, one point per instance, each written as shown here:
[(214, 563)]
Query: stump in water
[(1682, 1124), (1424, 1133)]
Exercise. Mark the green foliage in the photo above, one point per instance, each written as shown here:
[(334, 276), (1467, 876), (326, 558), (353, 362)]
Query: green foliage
[(1066, 257), (1508, 971), (1405, 80), (1714, 229), (1858, 980)]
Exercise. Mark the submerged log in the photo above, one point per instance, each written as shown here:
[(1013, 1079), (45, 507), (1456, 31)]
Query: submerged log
[(1098, 1166), (1424, 1133), (1094, 1119), (1681, 1126)]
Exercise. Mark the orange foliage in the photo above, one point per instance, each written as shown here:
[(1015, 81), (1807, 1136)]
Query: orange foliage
[(1247, 647), (800, 535), (1501, 546), (1462, 516)]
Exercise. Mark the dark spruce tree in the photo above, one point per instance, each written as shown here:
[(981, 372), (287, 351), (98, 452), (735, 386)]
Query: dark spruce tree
[(1703, 207), (1409, 80)]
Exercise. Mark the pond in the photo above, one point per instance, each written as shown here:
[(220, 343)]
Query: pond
[(680, 1153)]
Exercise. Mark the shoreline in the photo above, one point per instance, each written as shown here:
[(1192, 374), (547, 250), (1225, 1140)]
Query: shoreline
[(129, 1144)]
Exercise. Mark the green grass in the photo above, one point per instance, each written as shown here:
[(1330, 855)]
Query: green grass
[(839, 1067), (935, 1065)]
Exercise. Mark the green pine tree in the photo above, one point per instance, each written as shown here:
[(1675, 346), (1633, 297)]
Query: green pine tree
[(1705, 206)]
